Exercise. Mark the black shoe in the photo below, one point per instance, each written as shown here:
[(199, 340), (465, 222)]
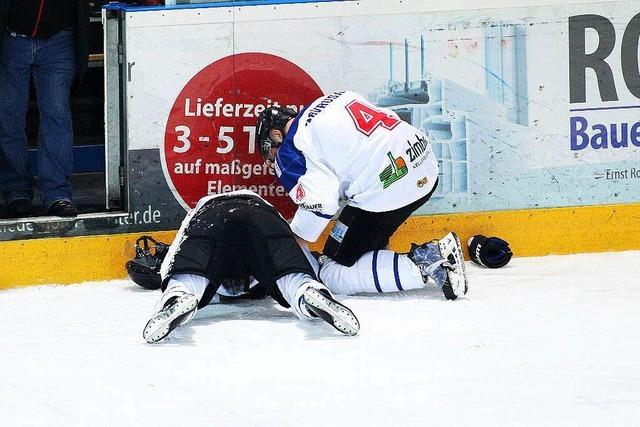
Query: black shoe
[(320, 303), (18, 208), (62, 208)]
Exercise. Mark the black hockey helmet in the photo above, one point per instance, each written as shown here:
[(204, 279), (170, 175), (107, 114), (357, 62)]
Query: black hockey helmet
[(144, 269), (272, 118)]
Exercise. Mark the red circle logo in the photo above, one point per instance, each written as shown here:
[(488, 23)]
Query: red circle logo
[(209, 143)]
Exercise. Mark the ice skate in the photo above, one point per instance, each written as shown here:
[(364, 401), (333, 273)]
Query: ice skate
[(443, 262), (320, 303), (177, 310)]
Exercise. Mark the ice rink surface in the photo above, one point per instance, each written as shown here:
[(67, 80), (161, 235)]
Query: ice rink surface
[(549, 341)]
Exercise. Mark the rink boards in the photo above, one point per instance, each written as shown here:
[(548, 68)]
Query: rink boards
[(531, 109), (530, 233)]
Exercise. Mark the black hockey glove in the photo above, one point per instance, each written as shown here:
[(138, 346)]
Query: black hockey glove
[(144, 269), (490, 252)]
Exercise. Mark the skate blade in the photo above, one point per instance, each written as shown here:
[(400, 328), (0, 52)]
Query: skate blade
[(450, 245), (336, 314), (162, 323)]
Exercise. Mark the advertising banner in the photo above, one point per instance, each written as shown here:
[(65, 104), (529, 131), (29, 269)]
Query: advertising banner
[(524, 107)]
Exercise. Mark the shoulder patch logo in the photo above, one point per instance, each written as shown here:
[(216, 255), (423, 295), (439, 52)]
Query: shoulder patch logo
[(396, 170), (300, 194)]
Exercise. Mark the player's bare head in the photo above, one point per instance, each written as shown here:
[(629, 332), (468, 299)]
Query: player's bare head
[(270, 130)]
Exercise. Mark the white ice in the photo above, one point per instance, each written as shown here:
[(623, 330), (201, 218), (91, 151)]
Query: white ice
[(545, 341)]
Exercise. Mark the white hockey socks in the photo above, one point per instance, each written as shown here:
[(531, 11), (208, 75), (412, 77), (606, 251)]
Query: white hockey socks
[(176, 307), (292, 286), (375, 271), (189, 283), (180, 284)]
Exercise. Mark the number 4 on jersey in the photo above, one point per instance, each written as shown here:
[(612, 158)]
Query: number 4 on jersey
[(367, 119)]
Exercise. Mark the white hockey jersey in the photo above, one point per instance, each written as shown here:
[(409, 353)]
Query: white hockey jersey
[(343, 148)]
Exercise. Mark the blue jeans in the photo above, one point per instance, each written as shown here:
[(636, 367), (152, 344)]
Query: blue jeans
[(52, 65)]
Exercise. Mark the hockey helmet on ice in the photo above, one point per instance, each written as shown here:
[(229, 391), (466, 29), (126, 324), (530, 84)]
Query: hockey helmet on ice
[(144, 269), (269, 119)]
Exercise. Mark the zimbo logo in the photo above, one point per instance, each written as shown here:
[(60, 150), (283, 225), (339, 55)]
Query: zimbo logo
[(396, 170), (417, 148)]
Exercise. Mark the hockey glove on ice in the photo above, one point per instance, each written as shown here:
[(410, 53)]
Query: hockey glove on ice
[(490, 252)]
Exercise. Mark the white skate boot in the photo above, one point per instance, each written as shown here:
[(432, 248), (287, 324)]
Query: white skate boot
[(320, 303), (178, 309)]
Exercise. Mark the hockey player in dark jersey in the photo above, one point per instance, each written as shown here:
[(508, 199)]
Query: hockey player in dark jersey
[(228, 243)]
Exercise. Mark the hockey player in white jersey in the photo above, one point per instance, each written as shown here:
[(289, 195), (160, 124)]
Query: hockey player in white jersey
[(229, 243), (342, 150)]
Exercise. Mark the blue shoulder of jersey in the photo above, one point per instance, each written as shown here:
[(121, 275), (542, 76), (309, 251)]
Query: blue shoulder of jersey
[(291, 161)]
